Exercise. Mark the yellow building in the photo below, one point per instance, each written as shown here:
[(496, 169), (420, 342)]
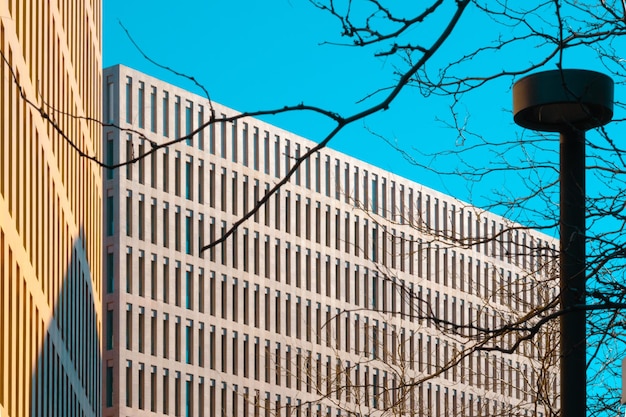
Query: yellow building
[(50, 208)]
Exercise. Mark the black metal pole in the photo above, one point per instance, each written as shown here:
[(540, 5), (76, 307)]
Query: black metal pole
[(572, 267), (569, 101)]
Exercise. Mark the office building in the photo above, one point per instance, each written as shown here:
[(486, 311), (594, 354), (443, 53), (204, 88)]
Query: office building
[(50, 208), (339, 296)]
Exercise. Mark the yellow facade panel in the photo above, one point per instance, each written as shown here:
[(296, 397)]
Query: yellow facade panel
[(50, 214)]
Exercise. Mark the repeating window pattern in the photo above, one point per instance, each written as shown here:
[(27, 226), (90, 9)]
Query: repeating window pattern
[(276, 304)]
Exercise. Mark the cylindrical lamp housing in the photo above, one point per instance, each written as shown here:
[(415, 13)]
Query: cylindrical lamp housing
[(560, 100)]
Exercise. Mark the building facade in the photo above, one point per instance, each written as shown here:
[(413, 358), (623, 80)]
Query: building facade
[(352, 291), (50, 208)]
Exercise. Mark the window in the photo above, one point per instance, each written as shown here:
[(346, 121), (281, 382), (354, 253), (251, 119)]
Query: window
[(166, 115), (288, 314), (189, 233), (129, 327), (256, 253), (212, 185), (256, 305), (223, 190), (212, 136), (287, 263), (166, 279), (110, 102), (109, 386), (201, 346), (277, 261), (177, 228), (375, 243), (153, 221), (177, 394), (234, 141), (317, 172), (201, 182), (141, 273), (235, 354), (200, 124), (307, 170), (234, 194), (255, 145), (129, 270), (166, 215), (130, 155), (298, 215), (277, 156), (166, 167), (189, 122), (266, 305), (201, 291), (246, 353), (267, 253), (177, 283), (212, 294), (110, 216), (110, 154), (297, 157), (223, 247), (129, 100), (278, 369), (277, 315), (177, 116), (374, 193), (234, 301), (245, 302), (266, 153), (189, 178), (189, 343), (257, 358), (223, 138), (153, 109), (383, 197), (177, 173), (189, 288), (356, 187), (141, 105), (166, 391), (141, 217), (307, 218), (244, 144), (224, 298), (177, 339), (189, 397), (212, 347), (141, 330), (129, 384), (110, 277), (153, 333), (298, 318), (277, 210), (109, 330), (235, 249)]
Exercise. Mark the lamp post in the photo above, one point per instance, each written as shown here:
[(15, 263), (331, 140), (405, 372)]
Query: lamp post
[(569, 102)]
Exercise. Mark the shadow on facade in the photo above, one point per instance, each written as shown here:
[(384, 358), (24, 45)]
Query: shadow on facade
[(66, 380)]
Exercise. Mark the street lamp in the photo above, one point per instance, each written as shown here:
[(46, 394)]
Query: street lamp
[(569, 102)]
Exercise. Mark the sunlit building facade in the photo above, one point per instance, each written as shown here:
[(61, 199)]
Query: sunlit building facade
[(352, 291), (50, 208)]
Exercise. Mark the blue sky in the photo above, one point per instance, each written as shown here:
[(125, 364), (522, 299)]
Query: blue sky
[(258, 55), (255, 55)]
